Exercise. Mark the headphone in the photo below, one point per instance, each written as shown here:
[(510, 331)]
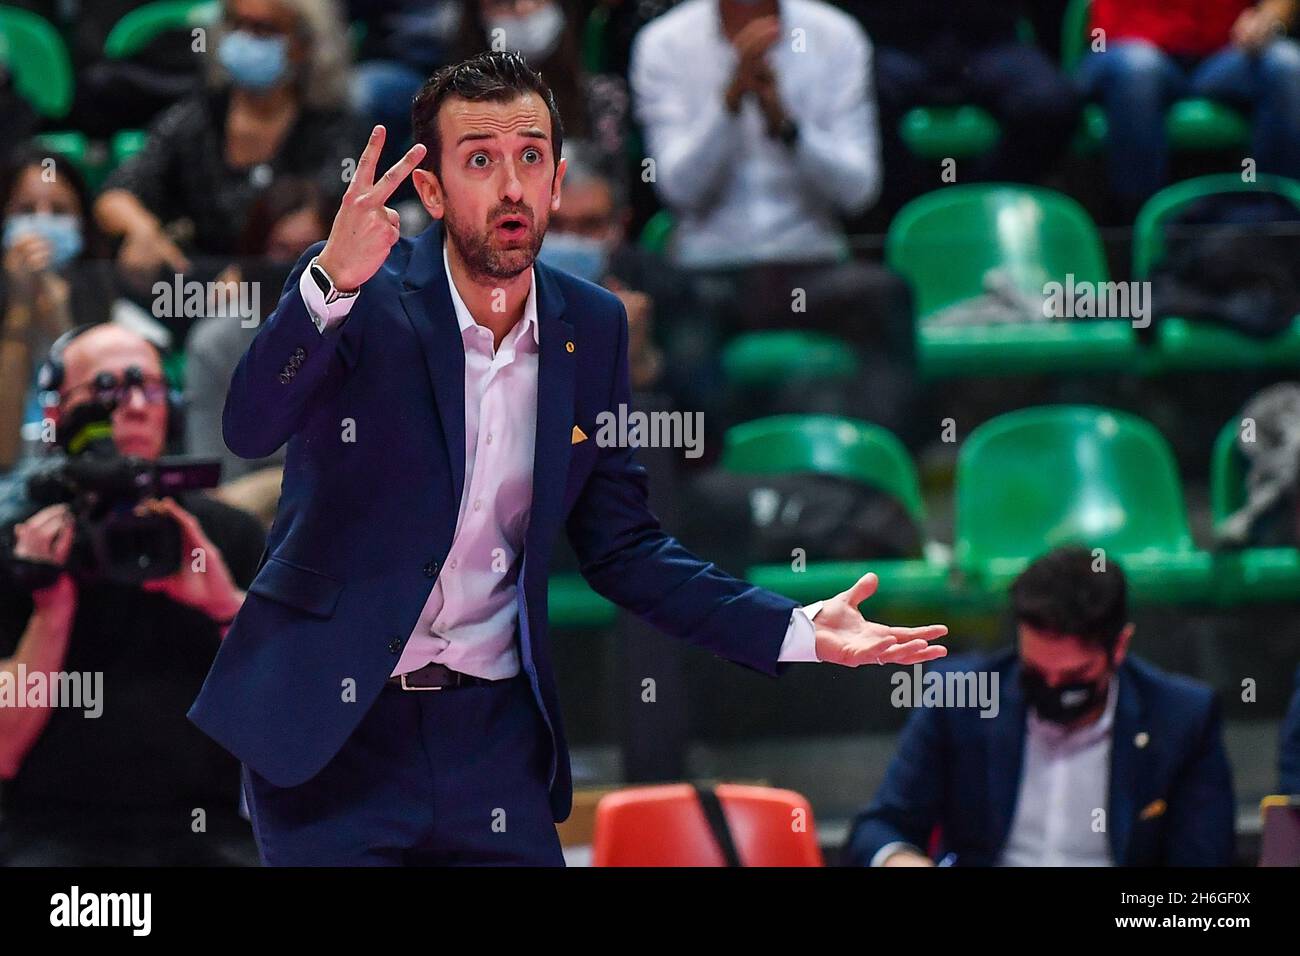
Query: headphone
[(50, 378)]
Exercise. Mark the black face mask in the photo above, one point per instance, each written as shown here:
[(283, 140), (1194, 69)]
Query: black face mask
[(1062, 704)]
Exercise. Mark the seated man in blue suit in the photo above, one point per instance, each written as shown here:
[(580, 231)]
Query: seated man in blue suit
[(1288, 761), (388, 684), (1091, 758)]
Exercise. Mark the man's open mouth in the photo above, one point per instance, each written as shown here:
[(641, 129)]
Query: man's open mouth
[(512, 227)]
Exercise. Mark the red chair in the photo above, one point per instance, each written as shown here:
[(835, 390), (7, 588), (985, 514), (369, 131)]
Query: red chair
[(666, 826)]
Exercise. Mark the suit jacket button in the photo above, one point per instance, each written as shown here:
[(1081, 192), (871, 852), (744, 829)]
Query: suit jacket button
[(394, 646), (431, 569), (299, 354)]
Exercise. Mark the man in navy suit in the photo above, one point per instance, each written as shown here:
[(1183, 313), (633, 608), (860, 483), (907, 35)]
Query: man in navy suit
[(388, 684), (1288, 760), (1090, 758)]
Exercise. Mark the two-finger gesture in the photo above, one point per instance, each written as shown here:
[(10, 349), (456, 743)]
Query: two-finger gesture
[(364, 229)]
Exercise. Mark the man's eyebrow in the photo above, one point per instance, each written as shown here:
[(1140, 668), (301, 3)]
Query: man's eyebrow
[(533, 132)]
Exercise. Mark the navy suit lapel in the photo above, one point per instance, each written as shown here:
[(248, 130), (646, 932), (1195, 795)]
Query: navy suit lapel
[(555, 414), (1125, 765), (1006, 754), (427, 300)]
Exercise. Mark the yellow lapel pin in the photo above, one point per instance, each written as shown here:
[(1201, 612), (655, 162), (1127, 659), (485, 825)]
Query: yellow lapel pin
[(578, 435), (1153, 809)]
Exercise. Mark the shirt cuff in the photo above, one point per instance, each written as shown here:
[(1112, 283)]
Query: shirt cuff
[(800, 642), (324, 316), (889, 849)]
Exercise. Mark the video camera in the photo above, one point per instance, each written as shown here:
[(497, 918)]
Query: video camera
[(102, 489)]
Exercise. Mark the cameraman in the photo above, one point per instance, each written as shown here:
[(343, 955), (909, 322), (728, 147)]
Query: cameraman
[(136, 784)]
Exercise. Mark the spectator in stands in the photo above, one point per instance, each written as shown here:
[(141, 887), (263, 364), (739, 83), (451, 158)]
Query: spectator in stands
[(1090, 757), (1289, 750), (946, 53), (280, 226), (54, 277), (588, 237), (274, 106), (404, 42), (137, 783), (760, 121), (548, 34), (1156, 51)]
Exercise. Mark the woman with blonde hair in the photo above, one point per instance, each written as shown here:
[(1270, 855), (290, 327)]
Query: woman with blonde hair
[(274, 104)]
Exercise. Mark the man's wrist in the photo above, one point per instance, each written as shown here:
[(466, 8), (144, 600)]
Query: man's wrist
[(335, 276)]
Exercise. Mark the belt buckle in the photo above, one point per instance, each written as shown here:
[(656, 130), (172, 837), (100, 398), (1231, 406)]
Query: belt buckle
[(406, 687)]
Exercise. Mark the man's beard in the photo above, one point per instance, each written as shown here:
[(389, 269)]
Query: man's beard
[(481, 258)]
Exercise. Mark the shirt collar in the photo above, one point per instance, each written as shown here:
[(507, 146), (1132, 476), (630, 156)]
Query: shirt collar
[(465, 320)]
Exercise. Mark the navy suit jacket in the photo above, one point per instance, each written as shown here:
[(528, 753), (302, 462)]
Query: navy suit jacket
[(364, 526), (1288, 759), (1171, 800)]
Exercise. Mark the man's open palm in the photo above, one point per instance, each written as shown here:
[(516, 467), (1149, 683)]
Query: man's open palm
[(845, 637)]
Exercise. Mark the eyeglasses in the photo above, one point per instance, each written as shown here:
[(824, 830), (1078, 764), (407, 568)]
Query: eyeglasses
[(108, 388)]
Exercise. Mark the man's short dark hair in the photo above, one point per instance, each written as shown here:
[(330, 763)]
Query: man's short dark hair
[(489, 77), (1065, 592)]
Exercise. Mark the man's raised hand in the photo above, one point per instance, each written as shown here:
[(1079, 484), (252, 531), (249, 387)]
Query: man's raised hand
[(365, 229), (844, 636)]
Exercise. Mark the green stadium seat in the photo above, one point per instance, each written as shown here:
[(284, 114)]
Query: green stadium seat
[(125, 144), (858, 451), (1034, 479), (1249, 575), (1183, 344), (657, 232), (1191, 123), (38, 59), (71, 144), (136, 29), (945, 241), (940, 132), (763, 359), (573, 604)]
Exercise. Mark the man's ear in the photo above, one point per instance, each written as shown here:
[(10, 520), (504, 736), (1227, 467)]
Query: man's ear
[(1121, 645), (560, 170), (429, 190)]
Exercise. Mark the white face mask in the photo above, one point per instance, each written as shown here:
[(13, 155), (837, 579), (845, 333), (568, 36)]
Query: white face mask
[(535, 35)]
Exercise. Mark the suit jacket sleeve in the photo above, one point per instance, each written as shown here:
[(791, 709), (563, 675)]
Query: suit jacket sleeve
[(1201, 805), (907, 807), (263, 408), (627, 557)]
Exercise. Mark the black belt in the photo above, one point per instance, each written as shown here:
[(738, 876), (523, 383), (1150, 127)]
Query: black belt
[(437, 677)]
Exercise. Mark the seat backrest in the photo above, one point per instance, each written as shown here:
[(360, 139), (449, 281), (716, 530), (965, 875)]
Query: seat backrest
[(136, 29), (1042, 477), (771, 356), (1074, 33), (38, 59), (945, 241), (826, 445), (665, 826), (1227, 473), (1148, 227)]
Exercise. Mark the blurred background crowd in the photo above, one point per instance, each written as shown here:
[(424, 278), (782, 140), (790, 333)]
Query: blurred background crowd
[(834, 227)]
